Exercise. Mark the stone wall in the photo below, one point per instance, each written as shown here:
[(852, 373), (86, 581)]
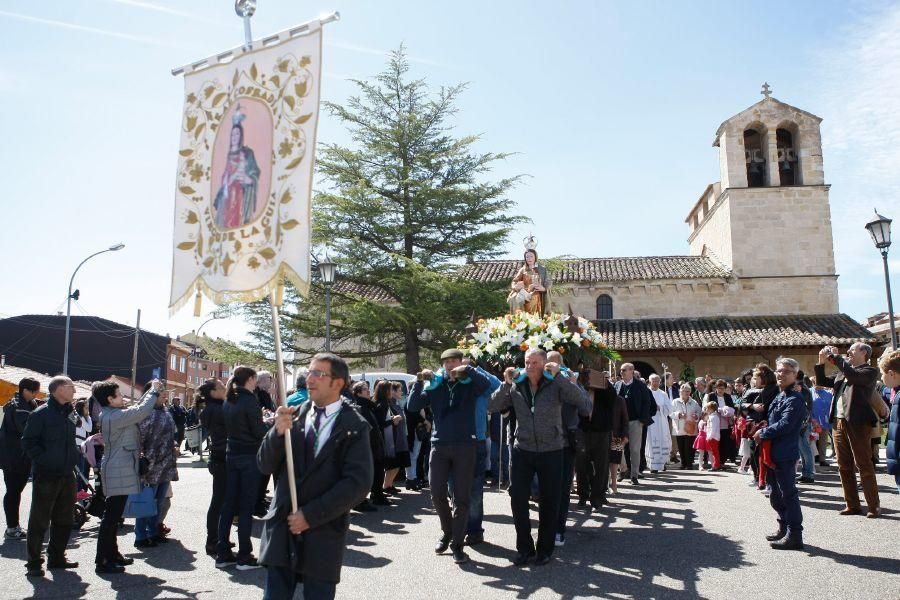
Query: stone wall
[(703, 298)]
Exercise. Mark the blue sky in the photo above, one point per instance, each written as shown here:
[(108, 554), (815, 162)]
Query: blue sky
[(610, 107)]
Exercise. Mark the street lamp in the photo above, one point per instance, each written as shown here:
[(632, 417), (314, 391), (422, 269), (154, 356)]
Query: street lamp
[(75, 296), (327, 271), (880, 229)]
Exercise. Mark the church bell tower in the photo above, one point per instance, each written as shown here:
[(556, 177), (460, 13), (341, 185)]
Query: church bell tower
[(769, 218)]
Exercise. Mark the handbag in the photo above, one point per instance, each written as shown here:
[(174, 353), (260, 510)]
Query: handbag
[(690, 427), (142, 504)]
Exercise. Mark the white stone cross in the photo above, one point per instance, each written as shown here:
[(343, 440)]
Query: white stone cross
[(766, 90)]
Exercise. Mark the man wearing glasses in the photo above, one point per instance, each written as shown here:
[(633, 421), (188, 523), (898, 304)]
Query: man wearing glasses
[(49, 441), (785, 419), (333, 467)]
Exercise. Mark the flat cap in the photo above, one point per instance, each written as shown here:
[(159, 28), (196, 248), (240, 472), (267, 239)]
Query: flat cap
[(452, 353)]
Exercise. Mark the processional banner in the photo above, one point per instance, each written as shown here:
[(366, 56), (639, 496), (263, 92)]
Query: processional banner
[(245, 170)]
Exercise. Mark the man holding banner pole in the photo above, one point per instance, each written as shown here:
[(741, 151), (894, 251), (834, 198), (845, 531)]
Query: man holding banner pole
[(332, 463)]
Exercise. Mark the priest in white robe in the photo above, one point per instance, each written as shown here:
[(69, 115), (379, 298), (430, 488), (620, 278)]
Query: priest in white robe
[(659, 441)]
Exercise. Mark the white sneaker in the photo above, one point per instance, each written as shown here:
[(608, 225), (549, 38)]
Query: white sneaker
[(15, 533), (560, 540)]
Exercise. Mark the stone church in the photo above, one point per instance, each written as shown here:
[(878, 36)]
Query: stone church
[(759, 280)]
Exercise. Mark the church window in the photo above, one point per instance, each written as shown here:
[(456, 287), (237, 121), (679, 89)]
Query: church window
[(755, 157), (787, 157), (604, 307)]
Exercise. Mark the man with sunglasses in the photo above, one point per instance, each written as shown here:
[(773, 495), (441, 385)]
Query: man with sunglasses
[(333, 468)]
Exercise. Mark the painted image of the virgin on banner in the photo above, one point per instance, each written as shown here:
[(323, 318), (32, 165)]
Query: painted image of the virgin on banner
[(245, 168), (240, 177)]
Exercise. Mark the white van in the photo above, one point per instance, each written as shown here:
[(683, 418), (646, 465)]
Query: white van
[(406, 380)]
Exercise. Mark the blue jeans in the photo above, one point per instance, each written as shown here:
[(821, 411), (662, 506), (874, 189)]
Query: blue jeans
[(411, 474), (784, 497), (242, 488), (146, 527), (806, 454), (282, 581)]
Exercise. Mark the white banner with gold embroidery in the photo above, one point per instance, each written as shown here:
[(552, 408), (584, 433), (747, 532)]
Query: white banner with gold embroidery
[(245, 169)]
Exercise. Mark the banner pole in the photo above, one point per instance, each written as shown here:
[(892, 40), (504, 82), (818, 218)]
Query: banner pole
[(279, 394)]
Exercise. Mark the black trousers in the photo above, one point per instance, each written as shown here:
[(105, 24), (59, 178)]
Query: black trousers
[(456, 462), (548, 468), (592, 462), (15, 482), (686, 450), (263, 488), (219, 484), (377, 490), (107, 545), (52, 505), (565, 498)]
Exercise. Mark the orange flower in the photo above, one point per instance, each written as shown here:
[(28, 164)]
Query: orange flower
[(523, 347), (586, 343), (561, 350), (543, 326)]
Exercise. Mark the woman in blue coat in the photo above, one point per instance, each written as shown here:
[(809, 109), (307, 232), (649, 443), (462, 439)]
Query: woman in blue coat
[(890, 375)]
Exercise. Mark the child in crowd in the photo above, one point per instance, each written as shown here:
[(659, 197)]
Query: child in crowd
[(745, 451), (713, 433), (700, 444)]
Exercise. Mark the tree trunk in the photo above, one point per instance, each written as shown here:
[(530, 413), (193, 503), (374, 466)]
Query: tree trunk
[(412, 351)]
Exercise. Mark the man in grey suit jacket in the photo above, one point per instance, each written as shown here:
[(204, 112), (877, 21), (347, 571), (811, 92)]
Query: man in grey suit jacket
[(333, 470)]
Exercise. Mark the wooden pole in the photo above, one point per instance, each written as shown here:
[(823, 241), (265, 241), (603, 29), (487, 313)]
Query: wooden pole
[(137, 333), (279, 395)]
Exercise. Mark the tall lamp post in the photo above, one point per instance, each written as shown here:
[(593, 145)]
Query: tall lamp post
[(327, 270), (880, 229), (71, 296)]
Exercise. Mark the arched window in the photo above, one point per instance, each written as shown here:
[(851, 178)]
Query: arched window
[(788, 172), (755, 157), (604, 307)]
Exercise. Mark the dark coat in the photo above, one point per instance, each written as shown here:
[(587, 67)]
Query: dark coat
[(640, 402), (15, 415), (893, 438), (607, 413), (49, 439), (862, 380), (364, 407), (179, 415), (785, 419), (212, 418), (338, 479), (244, 424)]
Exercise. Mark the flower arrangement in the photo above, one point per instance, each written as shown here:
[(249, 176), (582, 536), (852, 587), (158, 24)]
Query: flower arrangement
[(504, 340)]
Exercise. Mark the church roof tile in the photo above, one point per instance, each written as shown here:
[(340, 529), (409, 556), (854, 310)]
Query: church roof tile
[(733, 332), (603, 270)]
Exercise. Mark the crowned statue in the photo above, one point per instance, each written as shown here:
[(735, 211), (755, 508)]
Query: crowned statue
[(531, 283)]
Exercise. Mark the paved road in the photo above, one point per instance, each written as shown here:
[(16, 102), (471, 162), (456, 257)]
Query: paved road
[(677, 535)]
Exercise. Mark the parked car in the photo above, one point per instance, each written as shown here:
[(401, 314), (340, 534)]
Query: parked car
[(406, 380)]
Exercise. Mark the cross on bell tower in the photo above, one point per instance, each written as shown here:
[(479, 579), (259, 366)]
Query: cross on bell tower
[(766, 90)]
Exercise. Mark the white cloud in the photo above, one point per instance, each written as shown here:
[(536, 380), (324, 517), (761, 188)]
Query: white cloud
[(84, 28)]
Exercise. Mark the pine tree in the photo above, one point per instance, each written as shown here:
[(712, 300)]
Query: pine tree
[(401, 212)]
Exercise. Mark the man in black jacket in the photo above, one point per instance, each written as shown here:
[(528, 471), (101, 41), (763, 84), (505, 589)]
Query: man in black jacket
[(333, 467), (852, 418), (639, 401), (49, 441), (595, 437), (16, 466)]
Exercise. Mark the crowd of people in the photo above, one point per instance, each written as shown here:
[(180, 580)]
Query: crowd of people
[(543, 432)]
